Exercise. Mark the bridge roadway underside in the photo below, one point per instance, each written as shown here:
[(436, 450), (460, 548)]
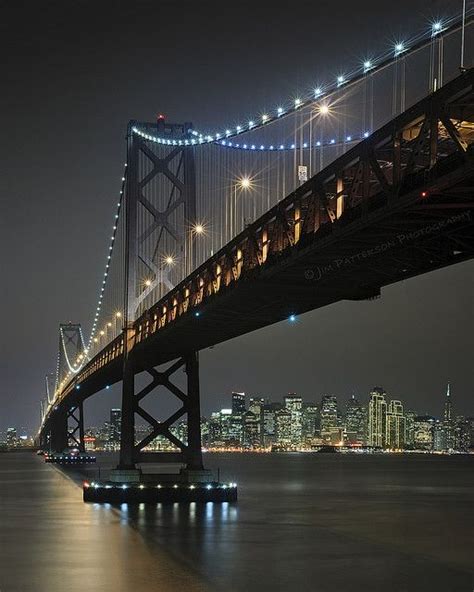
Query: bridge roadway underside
[(347, 260)]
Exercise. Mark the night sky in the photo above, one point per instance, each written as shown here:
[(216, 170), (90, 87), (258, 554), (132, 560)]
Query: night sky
[(75, 72)]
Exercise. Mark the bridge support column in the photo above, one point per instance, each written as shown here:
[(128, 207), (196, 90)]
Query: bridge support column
[(75, 427), (58, 431), (187, 452), (194, 452)]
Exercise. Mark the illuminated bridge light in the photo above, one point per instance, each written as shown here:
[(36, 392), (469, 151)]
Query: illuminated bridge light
[(399, 48)]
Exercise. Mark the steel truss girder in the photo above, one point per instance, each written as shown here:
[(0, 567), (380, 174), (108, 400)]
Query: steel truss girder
[(404, 154)]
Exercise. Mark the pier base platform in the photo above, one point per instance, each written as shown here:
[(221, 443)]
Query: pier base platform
[(165, 491)]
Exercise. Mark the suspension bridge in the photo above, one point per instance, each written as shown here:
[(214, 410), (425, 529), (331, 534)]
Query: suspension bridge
[(364, 181)]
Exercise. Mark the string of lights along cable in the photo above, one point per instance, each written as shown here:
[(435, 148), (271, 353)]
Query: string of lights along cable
[(244, 169)]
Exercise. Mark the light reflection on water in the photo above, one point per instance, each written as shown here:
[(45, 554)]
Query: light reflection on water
[(304, 522)]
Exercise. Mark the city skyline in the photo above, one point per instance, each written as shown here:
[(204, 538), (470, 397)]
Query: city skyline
[(255, 422)]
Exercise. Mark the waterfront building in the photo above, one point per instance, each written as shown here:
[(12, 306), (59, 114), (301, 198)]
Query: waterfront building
[(226, 428), (470, 428), (269, 410), (235, 429), (424, 432), (439, 437), (182, 431), (252, 430), (329, 420), (204, 431), (377, 420), (449, 423), (309, 423), (256, 405), (410, 429), (395, 434), (115, 425), (238, 403), (283, 428), (215, 429), (462, 434), (11, 439), (294, 404), (355, 423)]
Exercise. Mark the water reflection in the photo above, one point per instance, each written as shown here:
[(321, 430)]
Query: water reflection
[(298, 521)]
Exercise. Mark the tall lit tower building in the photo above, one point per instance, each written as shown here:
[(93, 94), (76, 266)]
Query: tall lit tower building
[(377, 425), (449, 424), (238, 403), (330, 429), (294, 404), (355, 422), (115, 424), (395, 436)]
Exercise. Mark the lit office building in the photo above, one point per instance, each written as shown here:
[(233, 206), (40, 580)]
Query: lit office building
[(252, 430), (395, 436), (214, 429), (226, 426), (309, 423), (269, 410), (410, 429), (11, 439), (329, 420), (462, 434), (236, 432), (238, 403), (424, 432), (355, 425), (294, 404), (283, 428), (115, 425), (182, 431), (439, 437), (377, 421)]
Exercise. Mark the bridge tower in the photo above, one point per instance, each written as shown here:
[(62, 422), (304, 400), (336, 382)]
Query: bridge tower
[(160, 214), (66, 424)]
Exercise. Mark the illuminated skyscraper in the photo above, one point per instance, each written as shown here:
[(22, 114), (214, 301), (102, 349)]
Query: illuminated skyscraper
[(330, 429), (410, 429), (395, 436), (439, 437), (309, 422), (377, 424), (448, 406), (355, 423), (115, 425), (294, 404), (256, 405), (449, 424), (283, 428), (238, 403), (269, 436), (252, 430)]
